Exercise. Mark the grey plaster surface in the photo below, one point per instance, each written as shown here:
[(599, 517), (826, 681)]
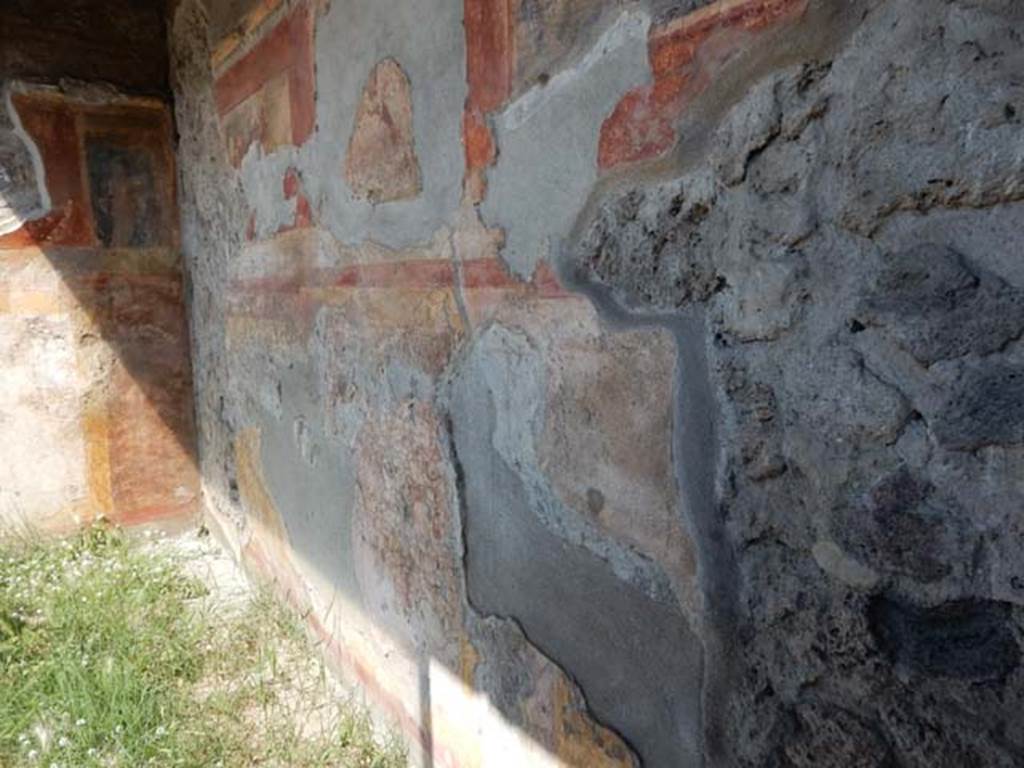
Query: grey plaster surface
[(547, 139), (427, 41), (636, 658)]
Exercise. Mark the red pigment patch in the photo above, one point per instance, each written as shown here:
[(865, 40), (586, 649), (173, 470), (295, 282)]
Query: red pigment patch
[(489, 53), (291, 184), (381, 164), (490, 64), (417, 275), (478, 141), (269, 94), (303, 214), (292, 187), (484, 274), (149, 392), (684, 55)]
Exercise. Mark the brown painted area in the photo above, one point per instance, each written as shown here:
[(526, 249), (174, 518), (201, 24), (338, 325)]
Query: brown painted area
[(381, 164), (614, 465), (269, 94), (579, 741), (152, 463), (684, 54), (400, 521), (141, 427), (478, 140), (417, 328), (153, 475), (96, 430)]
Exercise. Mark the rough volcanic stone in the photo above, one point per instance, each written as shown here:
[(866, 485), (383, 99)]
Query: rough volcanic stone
[(963, 639), (819, 727), (983, 405), (938, 308), (864, 341)]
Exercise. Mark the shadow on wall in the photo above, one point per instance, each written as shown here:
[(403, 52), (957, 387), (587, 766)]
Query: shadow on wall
[(96, 398)]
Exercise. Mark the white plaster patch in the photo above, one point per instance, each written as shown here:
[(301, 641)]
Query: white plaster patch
[(18, 204)]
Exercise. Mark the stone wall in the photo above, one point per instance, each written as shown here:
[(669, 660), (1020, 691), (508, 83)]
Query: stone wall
[(622, 382)]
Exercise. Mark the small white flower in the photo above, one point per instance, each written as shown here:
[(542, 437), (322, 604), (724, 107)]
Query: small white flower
[(33, 754), (160, 731), (80, 721), (42, 735), (63, 742)]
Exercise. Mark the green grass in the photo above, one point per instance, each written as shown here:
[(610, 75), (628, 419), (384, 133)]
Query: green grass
[(108, 659)]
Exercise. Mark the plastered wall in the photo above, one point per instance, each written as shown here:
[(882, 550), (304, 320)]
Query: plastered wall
[(96, 402), (96, 396), (618, 383)]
